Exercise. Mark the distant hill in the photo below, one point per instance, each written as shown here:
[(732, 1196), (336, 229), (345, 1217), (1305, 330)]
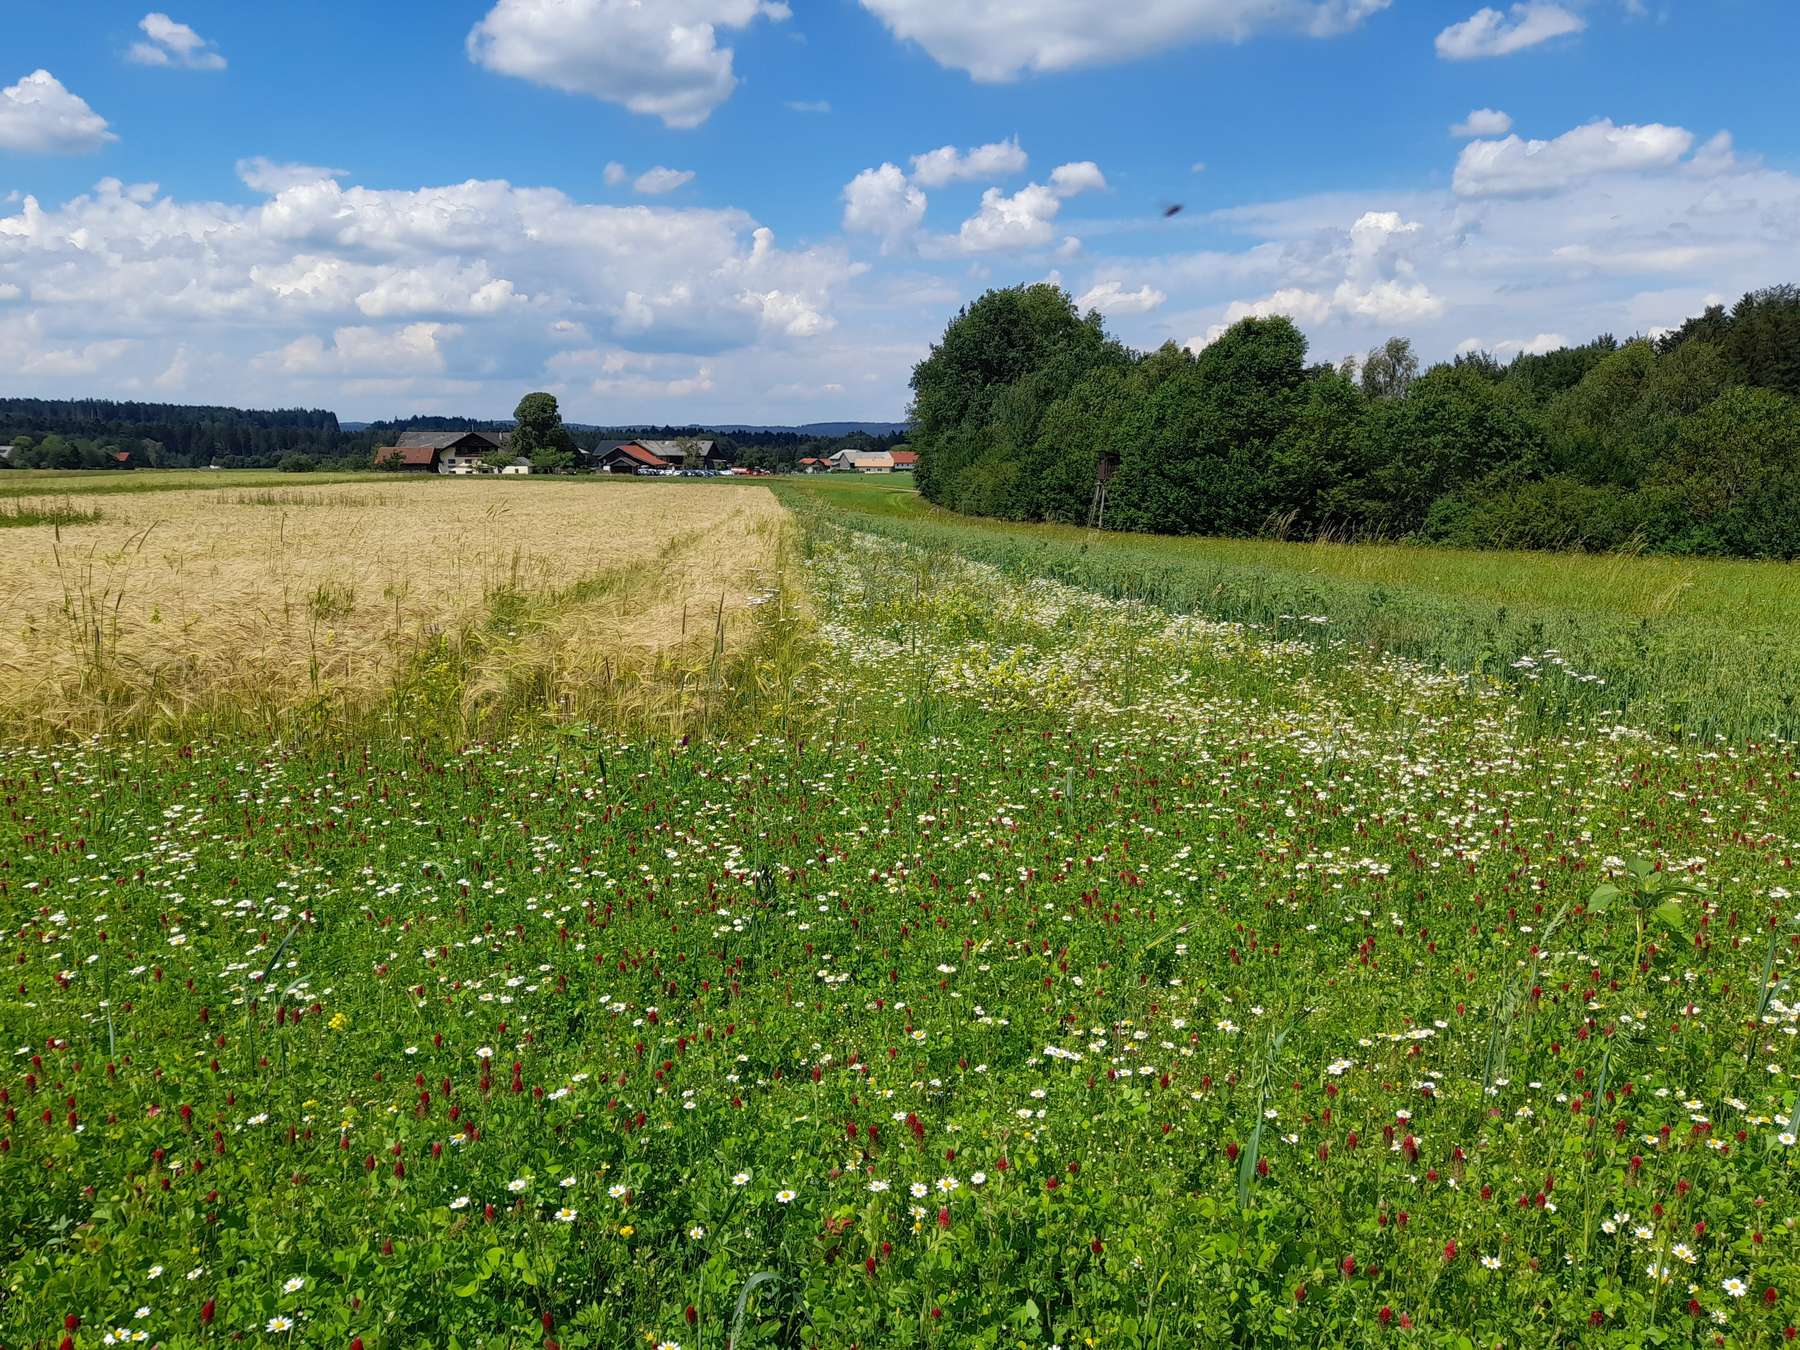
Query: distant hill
[(818, 428), (182, 436)]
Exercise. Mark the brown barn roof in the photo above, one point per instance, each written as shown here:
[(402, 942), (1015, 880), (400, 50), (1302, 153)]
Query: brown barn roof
[(410, 455), (904, 458), (634, 451)]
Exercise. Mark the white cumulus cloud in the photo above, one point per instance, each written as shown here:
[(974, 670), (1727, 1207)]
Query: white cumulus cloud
[(1025, 219), (947, 164), (40, 117), (997, 40), (1488, 32), (661, 58), (1483, 122), (266, 175), (1507, 348), (365, 352), (439, 295), (1111, 297), (882, 202), (1068, 180), (167, 43), (1513, 166), (655, 182)]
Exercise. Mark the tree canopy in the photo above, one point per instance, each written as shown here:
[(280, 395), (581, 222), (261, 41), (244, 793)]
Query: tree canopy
[(1688, 444)]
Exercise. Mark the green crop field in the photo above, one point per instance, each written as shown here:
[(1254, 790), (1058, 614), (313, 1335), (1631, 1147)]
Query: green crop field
[(1029, 939)]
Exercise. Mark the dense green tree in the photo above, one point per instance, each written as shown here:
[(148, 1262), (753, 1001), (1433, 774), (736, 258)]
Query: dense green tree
[(1683, 444), (1389, 370), (1000, 340), (1320, 469), (1454, 428), (1601, 431), (539, 435), (1735, 467), (1078, 431), (1763, 347), (1200, 444), (1541, 376)]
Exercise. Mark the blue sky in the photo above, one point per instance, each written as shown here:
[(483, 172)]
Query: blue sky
[(765, 211)]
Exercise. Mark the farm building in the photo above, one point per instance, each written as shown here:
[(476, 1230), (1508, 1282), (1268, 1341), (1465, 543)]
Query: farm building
[(905, 460), (812, 464), (862, 461), (686, 454), (626, 457), (442, 451)]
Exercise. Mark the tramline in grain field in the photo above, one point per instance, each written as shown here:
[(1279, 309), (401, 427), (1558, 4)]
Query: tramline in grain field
[(190, 610)]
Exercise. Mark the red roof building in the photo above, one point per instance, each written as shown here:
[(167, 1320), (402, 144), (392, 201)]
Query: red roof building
[(905, 459), (627, 457)]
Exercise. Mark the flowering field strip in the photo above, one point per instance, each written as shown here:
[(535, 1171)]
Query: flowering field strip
[(1085, 972), (1699, 648)]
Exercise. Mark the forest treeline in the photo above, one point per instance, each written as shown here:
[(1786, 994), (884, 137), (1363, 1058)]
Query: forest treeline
[(1685, 443), (92, 433)]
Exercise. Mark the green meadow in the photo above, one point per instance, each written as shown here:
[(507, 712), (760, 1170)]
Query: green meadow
[(1035, 938)]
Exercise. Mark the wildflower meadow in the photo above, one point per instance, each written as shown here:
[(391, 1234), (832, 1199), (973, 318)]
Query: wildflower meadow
[(1043, 967)]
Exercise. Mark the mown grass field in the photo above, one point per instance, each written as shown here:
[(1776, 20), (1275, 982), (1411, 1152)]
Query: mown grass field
[(1037, 955)]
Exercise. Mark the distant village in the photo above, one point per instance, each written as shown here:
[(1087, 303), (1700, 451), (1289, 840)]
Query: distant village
[(485, 452), (88, 434)]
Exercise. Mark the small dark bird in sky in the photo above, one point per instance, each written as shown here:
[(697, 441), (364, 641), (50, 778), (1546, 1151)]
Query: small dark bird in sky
[(1173, 209)]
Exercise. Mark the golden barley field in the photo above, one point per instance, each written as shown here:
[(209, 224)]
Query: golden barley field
[(179, 611)]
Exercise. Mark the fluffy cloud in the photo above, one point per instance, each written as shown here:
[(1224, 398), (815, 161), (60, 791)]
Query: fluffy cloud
[(168, 43), (1069, 180), (882, 202), (439, 290), (947, 164), (1507, 348), (1514, 167), (1392, 303), (1111, 297), (655, 182), (1004, 39), (657, 57), (1488, 32), (617, 374), (40, 117), (1483, 122), (266, 175), (1627, 243), (1026, 219), (365, 353)]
